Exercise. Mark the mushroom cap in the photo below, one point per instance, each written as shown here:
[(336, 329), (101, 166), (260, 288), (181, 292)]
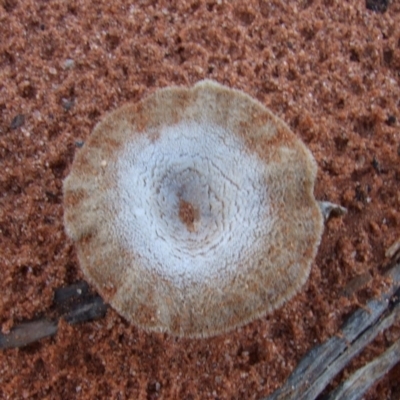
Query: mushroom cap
[(193, 211)]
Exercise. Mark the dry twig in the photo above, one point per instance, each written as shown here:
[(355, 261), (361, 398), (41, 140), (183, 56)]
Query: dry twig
[(73, 303), (320, 366)]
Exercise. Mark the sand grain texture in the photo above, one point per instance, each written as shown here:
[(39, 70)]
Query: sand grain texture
[(329, 69)]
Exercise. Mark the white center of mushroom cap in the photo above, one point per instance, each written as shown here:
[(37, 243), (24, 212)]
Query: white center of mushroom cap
[(193, 205)]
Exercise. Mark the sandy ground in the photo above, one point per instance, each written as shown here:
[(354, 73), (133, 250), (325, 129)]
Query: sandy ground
[(330, 69)]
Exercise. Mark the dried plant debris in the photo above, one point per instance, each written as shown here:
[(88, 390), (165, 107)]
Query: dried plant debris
[(193, 211), (377, 5), (17, 121), (320, 366), (364, 378), (74, 303), (393, 249), (356, 284), (329, 209), (28, 332)]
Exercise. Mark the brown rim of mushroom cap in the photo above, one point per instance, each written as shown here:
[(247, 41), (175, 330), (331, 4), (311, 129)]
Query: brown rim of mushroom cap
[(193, 211)]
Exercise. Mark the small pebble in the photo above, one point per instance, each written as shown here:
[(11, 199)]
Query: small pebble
[(69, 63), (17, 121), (67, 104), (391, 120)]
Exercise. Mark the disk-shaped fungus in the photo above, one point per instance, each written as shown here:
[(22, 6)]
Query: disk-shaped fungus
[(193, 211)]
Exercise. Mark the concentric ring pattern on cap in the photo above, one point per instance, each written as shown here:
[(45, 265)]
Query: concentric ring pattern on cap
[(193, 211)]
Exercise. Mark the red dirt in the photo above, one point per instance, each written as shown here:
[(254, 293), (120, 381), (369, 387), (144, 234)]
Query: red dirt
[(329, 69)]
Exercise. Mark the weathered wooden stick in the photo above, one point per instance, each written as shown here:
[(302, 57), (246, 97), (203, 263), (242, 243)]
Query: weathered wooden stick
[(28, 332), (325, 361), (356, 347), (356, 386), (73, 303)]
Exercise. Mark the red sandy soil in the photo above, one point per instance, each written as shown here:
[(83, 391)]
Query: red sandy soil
[(330, 69)]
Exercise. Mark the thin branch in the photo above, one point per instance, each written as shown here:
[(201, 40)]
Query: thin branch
[(325, 361), (74, 303), (356, 386)]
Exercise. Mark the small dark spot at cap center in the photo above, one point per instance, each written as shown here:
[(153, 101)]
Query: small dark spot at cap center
[(188, 214)]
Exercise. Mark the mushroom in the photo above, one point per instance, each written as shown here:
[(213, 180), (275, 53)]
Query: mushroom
[(193, 211)]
